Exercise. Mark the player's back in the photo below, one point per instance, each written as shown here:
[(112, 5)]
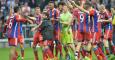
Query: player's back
[(12, 27)]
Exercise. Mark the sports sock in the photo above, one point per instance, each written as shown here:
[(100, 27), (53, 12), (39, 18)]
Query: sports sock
[(107, 50), (102, 54), (83, 52), (58, 49), (22, 53), (96, 51), (113, 47)]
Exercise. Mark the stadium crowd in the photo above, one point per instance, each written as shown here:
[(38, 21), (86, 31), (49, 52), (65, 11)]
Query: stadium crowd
[(30, 5), (80, 25)]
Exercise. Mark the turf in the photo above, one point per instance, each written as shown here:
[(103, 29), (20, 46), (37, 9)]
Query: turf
[(28, 53), (4, 54)]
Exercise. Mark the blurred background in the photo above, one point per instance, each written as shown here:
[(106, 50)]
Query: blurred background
[(28, 8)]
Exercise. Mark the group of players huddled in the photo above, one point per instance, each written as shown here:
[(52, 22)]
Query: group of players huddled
[(72, 25)]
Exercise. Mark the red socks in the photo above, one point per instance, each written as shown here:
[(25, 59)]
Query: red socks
[(58, 49), (107, 50), (83, 52), (47, 53), (96, 51), (102, 54)]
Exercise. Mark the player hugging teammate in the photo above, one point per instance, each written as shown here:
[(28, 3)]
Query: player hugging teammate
[(94, 25), (13, 28)]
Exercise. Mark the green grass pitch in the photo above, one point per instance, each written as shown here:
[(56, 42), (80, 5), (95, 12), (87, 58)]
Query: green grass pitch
[(4, 54)]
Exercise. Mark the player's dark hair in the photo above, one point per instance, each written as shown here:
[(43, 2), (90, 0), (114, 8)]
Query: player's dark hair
[(77, 2), (51, 2), (16, 9), (108, 8), (61, 3), (46, 14), (87, 5), (64, 4), (37, 5)]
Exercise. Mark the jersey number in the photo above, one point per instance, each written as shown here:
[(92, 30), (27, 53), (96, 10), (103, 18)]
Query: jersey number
[(10, 24), (81, 18)]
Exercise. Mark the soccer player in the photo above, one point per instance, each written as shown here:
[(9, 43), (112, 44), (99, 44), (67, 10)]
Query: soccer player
[(74, 25), (113, 23), (47, 33), (66, 31), (54, 14), (96, 32), (60, 6), (14, 32), (93, 22), (106, 18), (37, 36), (83, 32), (58, 46)]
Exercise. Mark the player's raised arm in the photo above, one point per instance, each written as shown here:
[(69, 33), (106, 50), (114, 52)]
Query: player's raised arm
[(18, 16), (72, 2), (70, 6)]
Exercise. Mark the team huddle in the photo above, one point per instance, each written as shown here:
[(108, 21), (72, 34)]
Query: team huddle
[(73, 25)]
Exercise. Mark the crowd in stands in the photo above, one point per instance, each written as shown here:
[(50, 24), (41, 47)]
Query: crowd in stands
[(29, 5)]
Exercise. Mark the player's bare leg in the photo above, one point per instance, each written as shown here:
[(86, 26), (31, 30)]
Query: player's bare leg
[(77, 50), (13, 54), (47, 53), (98, 52), (66, 50), (58, 49), (72, 47), (35, 53), (22, 51), (52, 46), (78, 44), (95, 49), (66, 47), (106, 40), (112, 46), (88, 48), (106, 44)]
